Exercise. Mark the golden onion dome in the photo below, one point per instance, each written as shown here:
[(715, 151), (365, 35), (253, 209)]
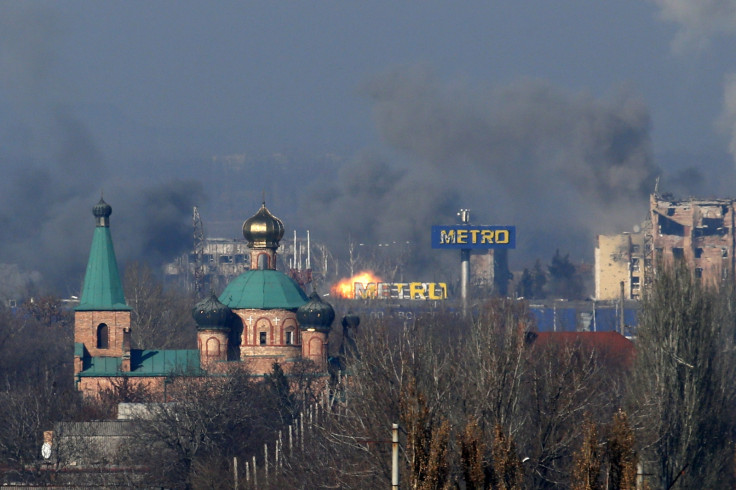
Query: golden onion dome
[(263, 229)]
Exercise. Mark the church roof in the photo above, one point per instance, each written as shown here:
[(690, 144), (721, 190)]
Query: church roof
[(184, 362), (102, 289), (263, 290)]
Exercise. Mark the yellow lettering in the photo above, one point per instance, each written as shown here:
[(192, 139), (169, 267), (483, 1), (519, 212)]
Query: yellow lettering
[(416, 290), (447, 236), (462, 236), (486, 236), (502, 236), (474, 236), (437, 290)]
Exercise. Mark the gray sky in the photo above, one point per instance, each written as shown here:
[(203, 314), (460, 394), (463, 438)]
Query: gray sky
[(368, 120)]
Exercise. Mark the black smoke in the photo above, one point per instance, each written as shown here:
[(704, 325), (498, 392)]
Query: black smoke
[(561, 166), (54, 172)]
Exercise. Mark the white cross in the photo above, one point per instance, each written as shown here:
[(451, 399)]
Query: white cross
[(250, 321), (276, 321)]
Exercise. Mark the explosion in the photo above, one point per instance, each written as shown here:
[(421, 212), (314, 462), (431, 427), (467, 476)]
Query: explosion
[(345, 288)]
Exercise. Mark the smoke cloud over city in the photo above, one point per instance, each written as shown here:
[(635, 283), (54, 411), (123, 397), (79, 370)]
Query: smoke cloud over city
[(54, 172), (94, 101), (561, 166)]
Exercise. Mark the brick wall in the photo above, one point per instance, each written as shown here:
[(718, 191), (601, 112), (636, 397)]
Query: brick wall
[(86, 324)]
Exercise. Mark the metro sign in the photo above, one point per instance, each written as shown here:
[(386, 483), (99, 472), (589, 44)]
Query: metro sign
[(473, 237)]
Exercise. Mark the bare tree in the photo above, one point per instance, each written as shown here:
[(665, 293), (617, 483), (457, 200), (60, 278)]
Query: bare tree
[(622, 456), (161, 318), (587, 462), (211, 421), (683, 386)]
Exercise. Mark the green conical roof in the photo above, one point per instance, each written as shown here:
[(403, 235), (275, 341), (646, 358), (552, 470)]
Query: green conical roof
[(102, 288), (263, 290)]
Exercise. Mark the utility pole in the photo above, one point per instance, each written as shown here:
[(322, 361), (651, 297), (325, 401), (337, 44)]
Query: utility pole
[(198, 248), (395, 456), (464, 263)]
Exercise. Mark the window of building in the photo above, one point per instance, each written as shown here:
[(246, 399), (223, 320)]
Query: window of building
[(678, 253), (635, 248), (262, 338), (263, 262), (213, 347), (635, 264), (634, 282), (289, 338), (698, 272), (103, 336), (698, 252), (724, 252)]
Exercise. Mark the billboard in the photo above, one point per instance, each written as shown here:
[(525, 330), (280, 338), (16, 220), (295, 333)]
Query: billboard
[(400, 290), (473, 237)]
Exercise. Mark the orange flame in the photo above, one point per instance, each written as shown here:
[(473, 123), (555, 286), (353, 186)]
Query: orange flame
[(345, 288)]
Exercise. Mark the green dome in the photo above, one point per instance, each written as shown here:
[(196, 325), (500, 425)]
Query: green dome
[(210, 313), (263, 290), (316, 314)]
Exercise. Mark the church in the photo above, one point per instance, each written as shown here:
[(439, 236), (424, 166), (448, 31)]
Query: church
[(262, 317)]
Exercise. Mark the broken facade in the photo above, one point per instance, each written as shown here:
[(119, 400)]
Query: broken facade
[(699, 232), (619, 266)]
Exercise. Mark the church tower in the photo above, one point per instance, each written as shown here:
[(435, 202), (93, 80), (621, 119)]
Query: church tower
[(265, 300), (213, 330), (102, 319), (315, 321)]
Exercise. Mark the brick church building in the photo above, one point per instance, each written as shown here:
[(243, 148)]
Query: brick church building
[(262, 317)]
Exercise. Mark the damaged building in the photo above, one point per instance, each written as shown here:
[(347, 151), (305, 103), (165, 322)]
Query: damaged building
[(699, 232), (619, 265)]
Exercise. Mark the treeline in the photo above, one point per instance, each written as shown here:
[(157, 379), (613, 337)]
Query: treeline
[(482, 402), (558, 279)]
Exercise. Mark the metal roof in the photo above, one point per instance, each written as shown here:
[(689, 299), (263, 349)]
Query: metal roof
[(146, 363), (102, 288), (263, 290)]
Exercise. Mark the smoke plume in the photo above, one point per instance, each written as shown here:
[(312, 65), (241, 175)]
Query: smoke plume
[(53, 173), (698, 20), (560, 166)]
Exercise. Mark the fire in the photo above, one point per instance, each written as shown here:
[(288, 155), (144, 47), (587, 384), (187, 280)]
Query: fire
[(345, 287)]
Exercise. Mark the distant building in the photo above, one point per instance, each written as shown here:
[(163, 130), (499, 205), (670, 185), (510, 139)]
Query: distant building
[(262, 317), (220, 261), (699, 232), (490, 270), (619, 266)]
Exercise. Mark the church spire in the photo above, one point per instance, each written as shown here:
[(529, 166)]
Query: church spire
[(103, 289)]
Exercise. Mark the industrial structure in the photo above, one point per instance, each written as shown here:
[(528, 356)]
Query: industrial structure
[(262, 317), (698, 232), (213, 262)]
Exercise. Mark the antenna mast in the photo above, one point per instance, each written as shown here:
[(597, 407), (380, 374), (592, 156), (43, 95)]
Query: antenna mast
[(198, 250)]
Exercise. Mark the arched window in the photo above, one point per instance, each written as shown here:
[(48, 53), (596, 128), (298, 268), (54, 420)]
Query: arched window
[(263, 262), (315, 347), (103, 336), (213, 347)]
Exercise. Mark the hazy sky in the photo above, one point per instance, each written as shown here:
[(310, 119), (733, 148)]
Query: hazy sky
[(555, 116)]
